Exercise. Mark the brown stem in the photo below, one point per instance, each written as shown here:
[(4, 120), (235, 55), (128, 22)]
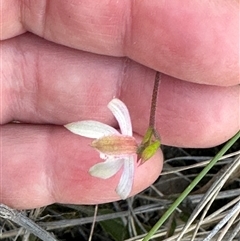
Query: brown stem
[(151, 131), (154, 100)]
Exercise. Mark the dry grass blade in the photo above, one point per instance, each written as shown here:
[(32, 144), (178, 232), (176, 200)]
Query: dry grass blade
[(18, 218), (217, 185), (228, 226), (233, 211), (204, 162), (93, 223), (235, 232), (162, 233), (134, 217), (200, 222), (64, 224)]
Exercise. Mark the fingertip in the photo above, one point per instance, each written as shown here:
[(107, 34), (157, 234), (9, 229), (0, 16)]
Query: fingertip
[(77, 186), (147, 173)]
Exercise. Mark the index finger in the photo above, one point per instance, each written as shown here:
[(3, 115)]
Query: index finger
[(191, 40)]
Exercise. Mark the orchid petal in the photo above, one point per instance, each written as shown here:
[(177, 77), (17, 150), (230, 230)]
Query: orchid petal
[(120, 111), (126, 181), (91, 129), (106, 169)]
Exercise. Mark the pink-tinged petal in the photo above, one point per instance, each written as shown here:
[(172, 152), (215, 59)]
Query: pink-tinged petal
[(116, 145), (91, 129), (106, 169), (120, 111), (126, 181)]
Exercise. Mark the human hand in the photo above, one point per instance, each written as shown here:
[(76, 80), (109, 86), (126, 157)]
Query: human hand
[(46, 85)]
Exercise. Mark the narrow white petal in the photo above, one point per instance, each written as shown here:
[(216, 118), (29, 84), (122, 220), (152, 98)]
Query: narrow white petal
[(126, 181), (91, 129), (106, 169), (120, 111)]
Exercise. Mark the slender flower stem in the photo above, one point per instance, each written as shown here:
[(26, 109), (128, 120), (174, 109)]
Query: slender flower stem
[(152, 121), (154, 100), (149, 146)]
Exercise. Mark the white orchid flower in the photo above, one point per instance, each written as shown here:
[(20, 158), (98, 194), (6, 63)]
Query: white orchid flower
[(117, 149)]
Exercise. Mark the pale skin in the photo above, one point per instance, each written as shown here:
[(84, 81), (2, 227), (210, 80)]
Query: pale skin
[(194, 43)]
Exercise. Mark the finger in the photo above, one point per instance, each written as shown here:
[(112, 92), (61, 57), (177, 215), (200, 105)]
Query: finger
[(58, 85), (190, 115), (41, 165), (194, 41)]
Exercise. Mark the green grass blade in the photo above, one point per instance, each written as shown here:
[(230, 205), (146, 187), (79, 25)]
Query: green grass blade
[(191, 186)]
